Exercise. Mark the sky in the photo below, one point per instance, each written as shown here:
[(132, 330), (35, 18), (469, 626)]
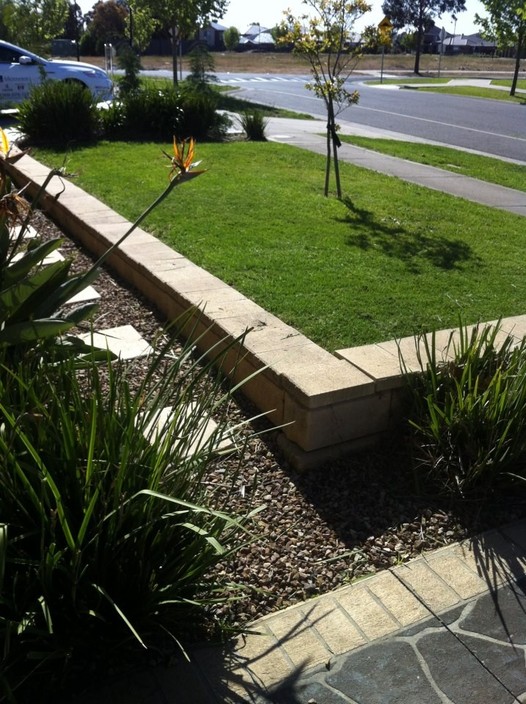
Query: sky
[(242, 13)]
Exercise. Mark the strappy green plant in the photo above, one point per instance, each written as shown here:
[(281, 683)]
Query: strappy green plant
[(469, 410), (110, 532)]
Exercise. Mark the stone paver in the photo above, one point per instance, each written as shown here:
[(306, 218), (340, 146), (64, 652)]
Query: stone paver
[(124, 341)]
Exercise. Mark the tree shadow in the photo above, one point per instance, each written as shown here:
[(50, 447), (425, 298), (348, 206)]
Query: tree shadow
[(394, 240)]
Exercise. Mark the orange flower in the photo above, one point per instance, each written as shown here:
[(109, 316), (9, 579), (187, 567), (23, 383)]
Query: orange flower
[(182, 160)]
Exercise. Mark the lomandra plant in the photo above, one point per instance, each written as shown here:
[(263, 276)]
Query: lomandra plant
[(110, 536), (469, 411), (254, 125)]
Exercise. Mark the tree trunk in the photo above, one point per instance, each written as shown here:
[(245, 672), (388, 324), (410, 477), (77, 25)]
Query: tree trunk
[(328, 161), (520, 39), (175, 46), (335, 144), (419, 38)]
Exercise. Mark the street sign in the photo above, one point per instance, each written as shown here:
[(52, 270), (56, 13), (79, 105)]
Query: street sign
[(385, 24)]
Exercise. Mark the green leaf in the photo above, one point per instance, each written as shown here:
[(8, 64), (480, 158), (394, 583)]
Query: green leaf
[(121, 613), (32, 330), (32, 257), (25, 297)]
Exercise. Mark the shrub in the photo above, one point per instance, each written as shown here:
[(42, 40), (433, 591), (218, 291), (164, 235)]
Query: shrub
[(469, 411), (59, 113), (146, 113), (254, 125), (33, 295), (202, 66), (109, 534), (159, 113), (200, 118)]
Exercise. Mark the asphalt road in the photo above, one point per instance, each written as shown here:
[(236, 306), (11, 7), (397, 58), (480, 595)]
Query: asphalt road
[(489, 126)]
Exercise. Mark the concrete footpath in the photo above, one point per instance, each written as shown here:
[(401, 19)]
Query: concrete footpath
[(308, 134)]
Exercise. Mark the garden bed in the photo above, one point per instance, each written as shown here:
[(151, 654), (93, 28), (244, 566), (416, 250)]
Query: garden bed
[(321, 529)]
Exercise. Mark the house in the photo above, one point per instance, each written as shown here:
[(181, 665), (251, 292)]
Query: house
[(257, 37), (468, 44), (212, 36)]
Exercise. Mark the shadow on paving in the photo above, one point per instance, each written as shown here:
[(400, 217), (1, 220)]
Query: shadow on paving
[(472, 654)]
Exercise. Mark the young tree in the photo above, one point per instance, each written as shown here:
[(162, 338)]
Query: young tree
[(231, 38), (506, 22), (324, 38), (419, 14), (181, 17)]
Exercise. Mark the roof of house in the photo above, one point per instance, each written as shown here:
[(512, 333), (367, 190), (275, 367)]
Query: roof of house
[(261, 38), (218, 27), (255, 29), (468, 40)]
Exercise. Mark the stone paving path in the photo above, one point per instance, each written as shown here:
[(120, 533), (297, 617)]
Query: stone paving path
[(467, 656)]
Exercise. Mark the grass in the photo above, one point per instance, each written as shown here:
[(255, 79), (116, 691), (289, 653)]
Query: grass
[(410, 81), (442, 85), (477, 92), (390, 260), (521, 83), (460, 162)]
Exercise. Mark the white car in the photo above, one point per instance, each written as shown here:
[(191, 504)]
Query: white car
[(20, 70)]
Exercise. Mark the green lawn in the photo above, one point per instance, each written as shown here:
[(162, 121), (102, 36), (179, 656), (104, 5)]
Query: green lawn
[(391, 260), (477, 92), (442, 85), (521, 83), (486, 168)]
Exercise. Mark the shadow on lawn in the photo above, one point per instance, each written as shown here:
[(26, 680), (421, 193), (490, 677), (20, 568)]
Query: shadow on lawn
[(396, 241)]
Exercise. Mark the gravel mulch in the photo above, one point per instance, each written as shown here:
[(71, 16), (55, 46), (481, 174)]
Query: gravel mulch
[(321, 529)]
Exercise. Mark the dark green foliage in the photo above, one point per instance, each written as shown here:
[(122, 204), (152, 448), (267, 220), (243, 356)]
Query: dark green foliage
[(148, 113), (130, 62), (33, 295), (109, 533), (231, 38), (60, 113), (202, 66), (254, 124), (200, 118), (153, 113), (469, 412)]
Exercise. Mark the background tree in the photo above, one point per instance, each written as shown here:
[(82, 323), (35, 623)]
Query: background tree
[(371, 39), (181, 17), (141, 25), (74, 23), (231, 38), (325, 39), (34, 23), (419, 14), (106, 25), (506, 23)]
